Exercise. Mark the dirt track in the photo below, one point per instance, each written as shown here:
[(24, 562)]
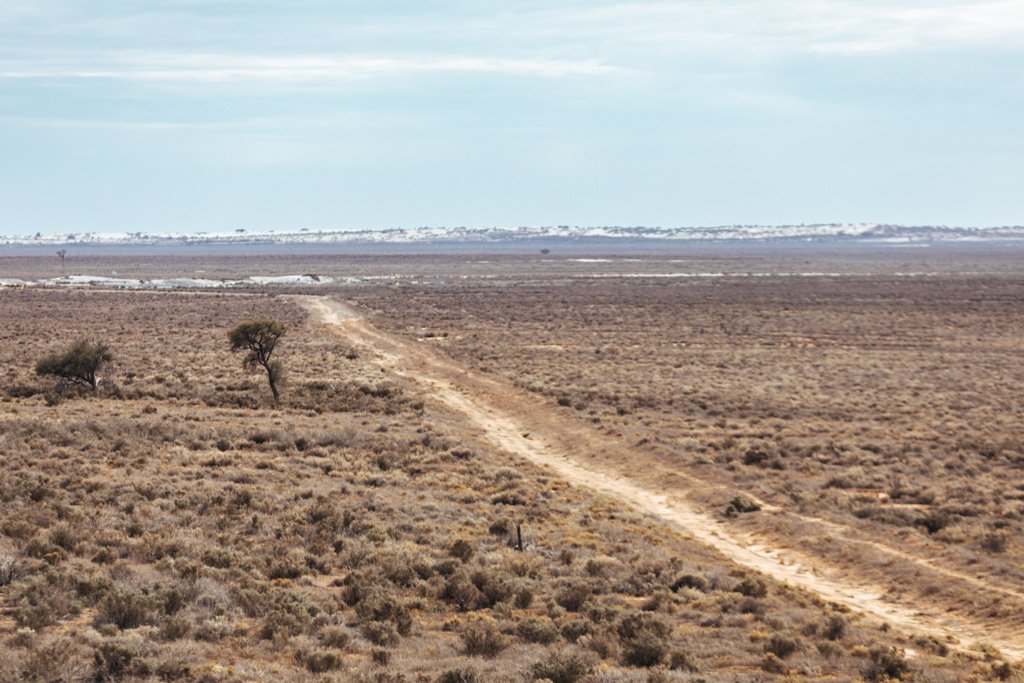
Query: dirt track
[(523, 425)]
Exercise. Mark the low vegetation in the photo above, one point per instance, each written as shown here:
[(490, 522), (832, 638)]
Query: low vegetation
[(889, 405), (179, 526)]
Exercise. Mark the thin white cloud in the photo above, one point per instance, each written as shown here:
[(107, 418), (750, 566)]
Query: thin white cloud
[(296, 69), (896, 27), (775, 27)]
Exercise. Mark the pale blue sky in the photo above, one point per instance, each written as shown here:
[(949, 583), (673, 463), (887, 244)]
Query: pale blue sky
[(191, 115)]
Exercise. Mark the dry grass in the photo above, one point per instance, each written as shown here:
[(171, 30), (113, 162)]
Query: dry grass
[(178, 527), (888, 405), (871, 396)]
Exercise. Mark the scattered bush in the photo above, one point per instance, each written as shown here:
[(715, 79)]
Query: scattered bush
[(752, 587), (287, 614), (459, 676), (119, 658), (995, 542), (78, 364), (379, 607), (1003, 670), (320, 660), (740, 505), (125, 609), (574, 629), (524, 597), (334, 636), (835, 627), (8, 564), (42, 600), (379, 632), (537, 630), (781, 646), (886, 663), (481, 638), (690, 581), (461, 591), (461, 549), (644, 639), (679, 660), (563, 667), (574, 595)]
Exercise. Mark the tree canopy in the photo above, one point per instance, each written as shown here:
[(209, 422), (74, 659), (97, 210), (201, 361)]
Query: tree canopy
[(78, 364), (259, 338)]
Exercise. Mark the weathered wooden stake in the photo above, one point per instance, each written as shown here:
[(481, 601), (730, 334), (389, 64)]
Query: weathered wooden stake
[(519, 537)]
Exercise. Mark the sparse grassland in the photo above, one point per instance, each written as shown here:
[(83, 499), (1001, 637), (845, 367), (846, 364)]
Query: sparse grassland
[(887, 405), (177, 526), (895, 403)]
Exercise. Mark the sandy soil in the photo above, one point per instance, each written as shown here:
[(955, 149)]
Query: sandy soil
[(524, 426)]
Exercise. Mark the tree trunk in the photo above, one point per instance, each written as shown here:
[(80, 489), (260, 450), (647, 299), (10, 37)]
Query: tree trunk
[(273, 384)]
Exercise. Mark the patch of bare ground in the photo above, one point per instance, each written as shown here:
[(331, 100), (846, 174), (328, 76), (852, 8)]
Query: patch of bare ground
[(177, 526)]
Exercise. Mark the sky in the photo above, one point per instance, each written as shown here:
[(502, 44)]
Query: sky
[(188, 115)]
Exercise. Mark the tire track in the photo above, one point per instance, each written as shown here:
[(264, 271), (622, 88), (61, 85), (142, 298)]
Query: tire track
[(511, 420)]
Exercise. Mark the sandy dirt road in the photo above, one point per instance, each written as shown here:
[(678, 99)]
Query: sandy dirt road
[(525, 426)]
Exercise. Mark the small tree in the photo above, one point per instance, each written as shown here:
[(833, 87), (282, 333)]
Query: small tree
[(78, 364), (259, 338)]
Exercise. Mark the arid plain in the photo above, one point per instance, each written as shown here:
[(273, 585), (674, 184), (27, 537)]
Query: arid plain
[(731, 465)]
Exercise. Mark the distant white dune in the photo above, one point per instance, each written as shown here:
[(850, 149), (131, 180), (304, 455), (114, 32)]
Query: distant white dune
[(167, 283), (308, 280), (814, 232)]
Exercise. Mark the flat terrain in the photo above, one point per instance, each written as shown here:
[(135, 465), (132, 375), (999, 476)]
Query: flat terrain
[(178, 526)]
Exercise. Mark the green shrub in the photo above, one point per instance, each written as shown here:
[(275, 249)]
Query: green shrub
[(78, 364)]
